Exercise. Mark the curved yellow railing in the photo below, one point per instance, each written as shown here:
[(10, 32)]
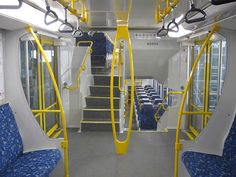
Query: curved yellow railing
[(178, 145), (163, 102), (122, 146), (64, 143), (82, 66)]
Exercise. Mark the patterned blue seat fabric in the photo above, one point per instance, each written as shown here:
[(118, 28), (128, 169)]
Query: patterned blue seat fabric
[(15, 163), (207, 165)]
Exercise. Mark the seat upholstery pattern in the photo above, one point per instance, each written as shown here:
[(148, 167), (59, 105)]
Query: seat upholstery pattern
[(207, 165), (11, 146), (34, 164), (15, 163)]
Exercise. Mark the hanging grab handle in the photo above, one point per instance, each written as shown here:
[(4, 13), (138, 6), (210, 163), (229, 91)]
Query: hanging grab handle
[(12, 6), (66, 24), (50, 13), (163, 31), (173, 26), (192, 10)]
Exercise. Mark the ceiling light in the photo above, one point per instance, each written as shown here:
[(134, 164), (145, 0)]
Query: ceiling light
[(182, 32)]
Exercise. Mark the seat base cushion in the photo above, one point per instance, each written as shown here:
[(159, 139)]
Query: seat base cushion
[(34, 164), (206, 165)]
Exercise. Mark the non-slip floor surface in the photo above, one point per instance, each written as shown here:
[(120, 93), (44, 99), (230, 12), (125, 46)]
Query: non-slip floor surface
[(92, 154)]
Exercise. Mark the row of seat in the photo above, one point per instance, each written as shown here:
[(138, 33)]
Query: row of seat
[(147, 102), (13, 161)]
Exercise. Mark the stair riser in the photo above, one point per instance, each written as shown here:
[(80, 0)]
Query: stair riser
[(97, 127), (97, 103), (104, 80), (103, 91), (99, 115)]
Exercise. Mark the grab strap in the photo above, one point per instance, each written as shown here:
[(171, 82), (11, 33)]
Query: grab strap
[(194, 10), (50, 13), (66, 24)]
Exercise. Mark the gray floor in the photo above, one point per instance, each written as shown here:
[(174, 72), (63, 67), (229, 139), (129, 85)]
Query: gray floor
[(92, 154)]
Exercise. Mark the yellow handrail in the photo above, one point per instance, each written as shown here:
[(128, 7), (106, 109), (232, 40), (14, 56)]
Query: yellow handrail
[(64, 143), (82, 66), (122, 146), (122, 33), (163, 102), (160, 13), (178, 145)]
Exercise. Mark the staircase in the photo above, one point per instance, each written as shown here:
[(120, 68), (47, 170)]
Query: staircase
[(96, 114)]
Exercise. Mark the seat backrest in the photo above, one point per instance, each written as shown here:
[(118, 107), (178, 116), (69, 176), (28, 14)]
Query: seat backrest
[(229, 153), (11, 146)]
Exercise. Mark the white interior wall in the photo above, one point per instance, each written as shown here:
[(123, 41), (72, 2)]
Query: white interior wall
[(74, 100), (2, 90), (152, 60), (177, 77)]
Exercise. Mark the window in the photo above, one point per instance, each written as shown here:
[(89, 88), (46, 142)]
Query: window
[(37, 82)]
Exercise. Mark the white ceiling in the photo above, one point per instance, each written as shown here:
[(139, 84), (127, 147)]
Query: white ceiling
[(102, 14)]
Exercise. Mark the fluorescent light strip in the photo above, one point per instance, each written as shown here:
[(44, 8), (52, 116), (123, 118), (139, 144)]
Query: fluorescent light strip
[(30, 15)]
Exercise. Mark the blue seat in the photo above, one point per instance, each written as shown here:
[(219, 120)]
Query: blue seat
[(144, 100), (15, 163), (147, 86), (157, 101), (147, 120), (154, 96), (207, 165), (142, 96)]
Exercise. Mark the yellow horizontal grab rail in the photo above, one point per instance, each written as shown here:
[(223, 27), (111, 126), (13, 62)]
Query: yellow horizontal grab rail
[(178, 145), (82, 66), (64, 143), (197, 113), (122, 146)]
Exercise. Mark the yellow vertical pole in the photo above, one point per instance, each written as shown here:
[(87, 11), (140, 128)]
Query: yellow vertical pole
[(64, 143), (204, 87), (39, 88), (43, 95), (206, 109), (191, 90), (178, 145)]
